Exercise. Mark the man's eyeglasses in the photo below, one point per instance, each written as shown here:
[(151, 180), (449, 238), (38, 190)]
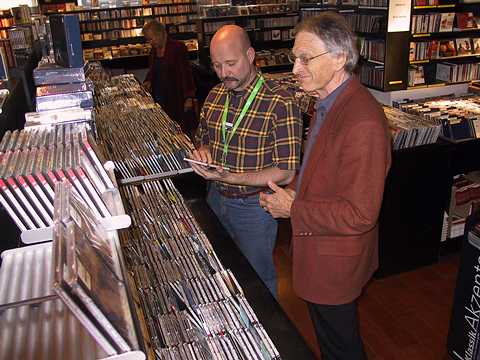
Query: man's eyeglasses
[(304, 60)]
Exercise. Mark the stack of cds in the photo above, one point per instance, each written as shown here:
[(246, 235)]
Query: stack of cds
[(458, 116), (192, 306), (34, 160), (60, 88), (410, 130), (47, 119), (61, 96), (136, 133), (87, 276), (122, 92)]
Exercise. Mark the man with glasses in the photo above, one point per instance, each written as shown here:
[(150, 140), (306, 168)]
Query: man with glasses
[(252, 127), (334, 202)]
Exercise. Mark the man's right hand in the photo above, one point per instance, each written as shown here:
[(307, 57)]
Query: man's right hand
[(203, 154)]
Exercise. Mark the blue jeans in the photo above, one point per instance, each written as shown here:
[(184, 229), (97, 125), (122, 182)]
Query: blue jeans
[(252, 229)]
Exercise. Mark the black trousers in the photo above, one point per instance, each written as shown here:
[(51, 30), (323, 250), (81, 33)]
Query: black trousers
[(337, 330)]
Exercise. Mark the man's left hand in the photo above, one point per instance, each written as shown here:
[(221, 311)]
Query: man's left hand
[(208, 173), (279, 203)]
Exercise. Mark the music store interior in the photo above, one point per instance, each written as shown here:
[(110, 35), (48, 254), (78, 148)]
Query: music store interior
[(111, 247)]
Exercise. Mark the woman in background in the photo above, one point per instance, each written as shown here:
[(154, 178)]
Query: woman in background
[(169, 78)]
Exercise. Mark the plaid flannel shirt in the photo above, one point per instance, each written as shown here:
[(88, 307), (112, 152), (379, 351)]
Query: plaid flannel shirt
[(269, 135)]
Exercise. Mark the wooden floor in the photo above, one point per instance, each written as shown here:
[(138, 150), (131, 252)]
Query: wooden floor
[(402, 317)]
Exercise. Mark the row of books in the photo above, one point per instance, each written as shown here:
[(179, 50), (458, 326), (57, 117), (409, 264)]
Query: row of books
[(211, 27), (459, 117), (366, 23), (444, 22), (268, 35), (429, 2), (127, 50), (114, 14), (437, 49), (274, 35), (416, 75), (429, 23), (112, 52), (112, 35), (6, 21), (113, 24), (272, 57), (136, 12), (365, 3), (410, 130), (287, 21), (6, 48), (228, 10), (357, 22), (452, 73), (372, 75), (372, 49), (465, 195), (445, 72), (20, 37), (253, 24)]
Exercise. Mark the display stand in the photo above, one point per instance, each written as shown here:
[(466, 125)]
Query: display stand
[(463, 336), (119, 220), (35, 322), (388, 97), (417, 192), (164, 175)]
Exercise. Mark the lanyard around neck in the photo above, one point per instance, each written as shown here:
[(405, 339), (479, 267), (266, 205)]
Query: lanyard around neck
[(228, 137)]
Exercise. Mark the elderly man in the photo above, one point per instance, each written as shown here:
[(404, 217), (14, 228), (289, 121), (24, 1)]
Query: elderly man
[(251, 127), (334, 202)]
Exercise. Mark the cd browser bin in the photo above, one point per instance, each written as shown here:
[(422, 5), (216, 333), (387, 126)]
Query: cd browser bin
[(37, 323)]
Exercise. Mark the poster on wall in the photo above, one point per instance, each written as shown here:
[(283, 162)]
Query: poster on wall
[(399, 15)]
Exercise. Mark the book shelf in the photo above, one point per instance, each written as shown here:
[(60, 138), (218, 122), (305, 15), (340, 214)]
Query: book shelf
[(383, 63), (6, 20), (435, 42), (269, 26), (115, 33)]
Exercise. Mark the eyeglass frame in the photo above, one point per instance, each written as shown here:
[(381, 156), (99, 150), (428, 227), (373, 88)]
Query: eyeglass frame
[(305, 60)]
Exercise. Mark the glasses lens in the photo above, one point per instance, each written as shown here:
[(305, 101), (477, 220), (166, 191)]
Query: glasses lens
[(303, 59)]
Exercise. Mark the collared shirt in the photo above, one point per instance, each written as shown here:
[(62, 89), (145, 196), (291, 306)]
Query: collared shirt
[(322, 107), (269, 134)]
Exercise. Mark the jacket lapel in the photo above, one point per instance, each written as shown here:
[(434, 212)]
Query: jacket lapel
[(324, 134)]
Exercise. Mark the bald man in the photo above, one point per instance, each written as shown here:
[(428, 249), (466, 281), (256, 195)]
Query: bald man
[(251, 128)]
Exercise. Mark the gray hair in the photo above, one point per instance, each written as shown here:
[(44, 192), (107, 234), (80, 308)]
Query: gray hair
[(335, 33)]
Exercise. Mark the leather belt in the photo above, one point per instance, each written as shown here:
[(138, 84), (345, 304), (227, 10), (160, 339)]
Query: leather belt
[(237, 195)]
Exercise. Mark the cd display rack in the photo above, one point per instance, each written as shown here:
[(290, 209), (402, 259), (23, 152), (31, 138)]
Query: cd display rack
[(142, 141), (80, 318), (35, 159)]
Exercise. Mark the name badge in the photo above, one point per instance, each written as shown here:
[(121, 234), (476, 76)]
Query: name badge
[(228, 125)]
